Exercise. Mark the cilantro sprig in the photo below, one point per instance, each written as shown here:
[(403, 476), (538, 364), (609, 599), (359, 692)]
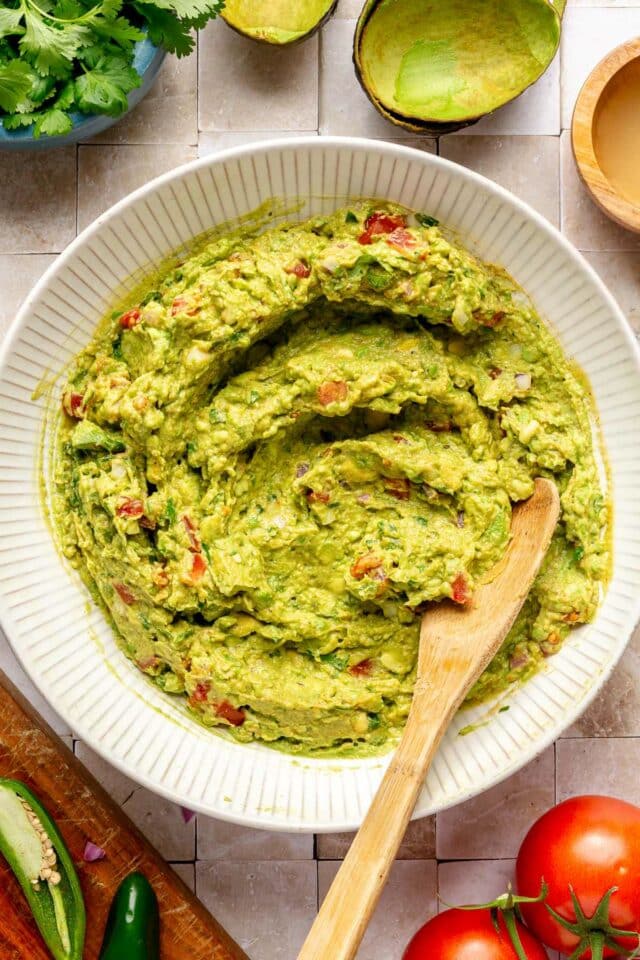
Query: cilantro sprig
[(63, 56)]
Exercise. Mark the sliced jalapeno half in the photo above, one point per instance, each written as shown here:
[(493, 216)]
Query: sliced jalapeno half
[(34, 849)]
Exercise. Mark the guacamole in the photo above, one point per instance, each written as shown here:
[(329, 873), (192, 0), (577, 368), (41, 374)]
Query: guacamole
[(292, 441)]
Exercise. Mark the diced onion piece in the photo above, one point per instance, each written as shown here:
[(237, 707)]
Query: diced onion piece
[(92, 852), (523, 381), (330, 264), (118, 469), (196, 356)]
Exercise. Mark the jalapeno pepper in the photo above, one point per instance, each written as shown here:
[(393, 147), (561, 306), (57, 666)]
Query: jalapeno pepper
[(133, 924), (34, 849)]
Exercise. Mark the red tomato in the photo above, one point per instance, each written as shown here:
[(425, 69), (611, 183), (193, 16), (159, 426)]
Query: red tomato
[(470, 935), (590, 844)]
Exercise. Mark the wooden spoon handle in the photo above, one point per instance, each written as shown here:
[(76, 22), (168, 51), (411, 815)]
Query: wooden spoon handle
[(355, 891)]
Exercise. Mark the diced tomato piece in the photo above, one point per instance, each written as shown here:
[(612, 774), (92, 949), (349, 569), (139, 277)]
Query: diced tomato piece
[(460, 589), (124, 593), (161, 578), (148, 663), (494, 318), (362, 669), (201, 691), (331, 391), (318, 496), (398, 487), (180, 305), (230, 713), (572, 617), (299, 269), (192, 535), (365, 565), (128, 507), (198, 567), (380, 223), (73, 404), (401, 240), (130, 319)]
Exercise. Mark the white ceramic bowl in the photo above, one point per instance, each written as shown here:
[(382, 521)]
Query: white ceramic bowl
[(63, 640)]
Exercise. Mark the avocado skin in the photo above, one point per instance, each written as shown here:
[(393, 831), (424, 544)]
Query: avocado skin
[(434, 128), (285, 43)]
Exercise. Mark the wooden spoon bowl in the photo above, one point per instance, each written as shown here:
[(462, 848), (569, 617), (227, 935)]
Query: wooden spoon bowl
[(456, 644), (601, 190)]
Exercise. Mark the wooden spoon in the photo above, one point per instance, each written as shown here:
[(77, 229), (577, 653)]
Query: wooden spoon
[(456, 644)]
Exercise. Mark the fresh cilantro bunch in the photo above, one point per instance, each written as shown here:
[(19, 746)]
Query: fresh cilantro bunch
[(61, 56)]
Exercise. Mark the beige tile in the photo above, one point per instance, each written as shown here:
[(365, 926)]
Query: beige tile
[(218, 840), (212, 141), (528, 166), (108, 173), (428, 144), (245, 85), (622, 276), (605, 766), (588, 34), (118, 786), (9, 665), (187, 873), (348, 9), (168, 113), (462, 882), (37, 200), (582, 222), (536, 111), (492, 825), (162, 824), (18, 274), (419, 842), (408, 901), (267, 908), (344, 107)]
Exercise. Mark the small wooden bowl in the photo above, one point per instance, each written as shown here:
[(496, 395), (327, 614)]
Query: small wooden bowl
[(615, 206)]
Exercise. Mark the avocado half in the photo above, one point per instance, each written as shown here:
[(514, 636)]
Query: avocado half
[(278, 22), (435, 66)]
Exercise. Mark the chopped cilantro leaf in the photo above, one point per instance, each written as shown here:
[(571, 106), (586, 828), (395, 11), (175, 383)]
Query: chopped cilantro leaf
[(339, 661), (426, 221)]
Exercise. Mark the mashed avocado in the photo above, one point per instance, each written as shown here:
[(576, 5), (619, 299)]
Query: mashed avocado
[(292, 442)]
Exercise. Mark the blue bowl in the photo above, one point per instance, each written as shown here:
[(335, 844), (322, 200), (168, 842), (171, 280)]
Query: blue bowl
[(147, 60)]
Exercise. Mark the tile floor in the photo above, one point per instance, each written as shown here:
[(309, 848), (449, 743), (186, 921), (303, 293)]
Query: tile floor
[(265, 887)]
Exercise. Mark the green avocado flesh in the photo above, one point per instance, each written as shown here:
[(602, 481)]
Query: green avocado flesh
[(453, 60), (297, 438), (276, 21)]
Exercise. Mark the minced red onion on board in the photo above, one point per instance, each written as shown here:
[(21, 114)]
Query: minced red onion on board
[(92, 852)]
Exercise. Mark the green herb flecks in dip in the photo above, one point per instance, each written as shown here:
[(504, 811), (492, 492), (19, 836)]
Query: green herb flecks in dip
[(295, 440)]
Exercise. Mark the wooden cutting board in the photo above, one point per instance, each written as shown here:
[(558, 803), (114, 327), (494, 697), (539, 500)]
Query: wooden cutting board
[(30, 751)]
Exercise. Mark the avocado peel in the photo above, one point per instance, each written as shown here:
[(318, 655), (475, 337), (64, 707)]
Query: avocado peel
[(277, 22), (439, 66)]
